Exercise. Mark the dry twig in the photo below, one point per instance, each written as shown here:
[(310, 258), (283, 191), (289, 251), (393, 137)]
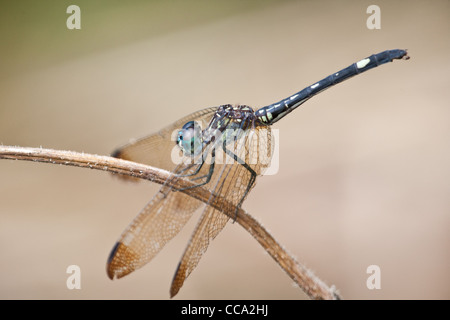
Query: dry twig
[(303, 277)]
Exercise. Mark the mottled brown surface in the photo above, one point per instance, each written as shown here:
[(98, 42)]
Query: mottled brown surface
[(364, 167)]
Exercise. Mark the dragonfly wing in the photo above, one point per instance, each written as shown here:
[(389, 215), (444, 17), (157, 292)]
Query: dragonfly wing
[(231, 183), (210, 225), (165, 215), (160, 220), (156, 149)]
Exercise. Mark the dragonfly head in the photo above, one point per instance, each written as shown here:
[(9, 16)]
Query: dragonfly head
[(189, 139)]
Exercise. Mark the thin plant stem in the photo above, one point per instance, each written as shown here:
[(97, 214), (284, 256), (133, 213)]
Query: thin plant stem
[(303, 277)]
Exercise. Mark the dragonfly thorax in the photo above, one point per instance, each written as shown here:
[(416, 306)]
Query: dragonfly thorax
[(229, 123)]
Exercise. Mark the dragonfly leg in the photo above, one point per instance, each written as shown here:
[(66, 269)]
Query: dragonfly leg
[(199, 166), (252, 178), (204, 155), (207, 176)]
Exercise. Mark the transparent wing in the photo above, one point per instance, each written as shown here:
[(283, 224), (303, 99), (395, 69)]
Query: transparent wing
[(165, 215), (231, 181), (156, 149), (161, 219)]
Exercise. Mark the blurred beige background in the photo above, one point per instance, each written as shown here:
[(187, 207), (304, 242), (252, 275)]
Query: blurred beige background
[(364, 167)]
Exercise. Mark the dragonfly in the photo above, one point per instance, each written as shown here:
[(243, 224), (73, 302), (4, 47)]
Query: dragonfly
[(223, 149)]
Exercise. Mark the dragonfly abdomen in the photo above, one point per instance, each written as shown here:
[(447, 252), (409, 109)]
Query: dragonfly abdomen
[(274, 112)]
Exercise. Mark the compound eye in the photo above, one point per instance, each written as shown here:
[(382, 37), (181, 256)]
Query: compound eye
[(189, 139)]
